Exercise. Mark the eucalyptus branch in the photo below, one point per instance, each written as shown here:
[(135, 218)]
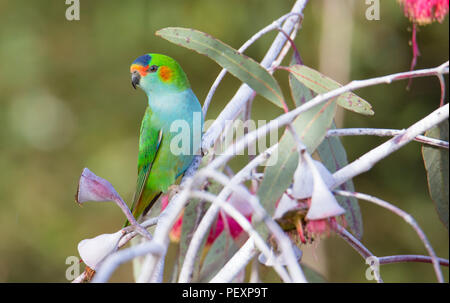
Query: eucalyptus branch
[(355, 243), (260, 214), (410, 258), (114, 260), (254, 271), (442, 85), (130, 235), (273, 26), (237, 263), (368, 160), (244, 92), (287, 118), (123, 206), (405, 216), (384, 133), (161, 235), (81, 278), (209, 217), (247, 227)]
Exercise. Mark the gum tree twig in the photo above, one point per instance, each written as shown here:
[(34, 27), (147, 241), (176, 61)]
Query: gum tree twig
[(355, 243), (243, 222), (405, 216), (410, 258), (244, 92), (114, 260), (161, 235), (273, 26), (369, 159), (146, 224), (287, 118), (210, 215), (81, 278), (384, 133), (260, 214), (237, 263)]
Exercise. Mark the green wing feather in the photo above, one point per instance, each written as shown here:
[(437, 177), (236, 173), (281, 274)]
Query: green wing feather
[(149, 143)]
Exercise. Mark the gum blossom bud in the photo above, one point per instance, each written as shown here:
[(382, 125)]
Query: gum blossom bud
[(323, 203), (93, 188), (303, 178), (94, 251)]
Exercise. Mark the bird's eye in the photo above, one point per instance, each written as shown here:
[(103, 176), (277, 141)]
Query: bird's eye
[(153, 68)]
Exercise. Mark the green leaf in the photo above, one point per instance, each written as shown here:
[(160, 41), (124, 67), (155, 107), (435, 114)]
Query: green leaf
[(220, 252), (321, 84), (436, 165), (191, 218), (311, 126), (312, 276), (193, 213), (244, 68), (334, 157)]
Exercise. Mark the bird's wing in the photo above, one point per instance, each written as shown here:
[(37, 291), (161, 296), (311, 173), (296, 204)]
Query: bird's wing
[(149, 143)]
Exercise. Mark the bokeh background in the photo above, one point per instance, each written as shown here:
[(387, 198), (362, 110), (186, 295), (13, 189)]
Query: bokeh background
[(66, 103)]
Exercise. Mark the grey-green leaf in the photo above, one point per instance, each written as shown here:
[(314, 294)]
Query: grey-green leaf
[(334, 157), (191, 218), (193, 213), (220, 252), (436, 165), (312, 276), (321, 84), (242, 67)]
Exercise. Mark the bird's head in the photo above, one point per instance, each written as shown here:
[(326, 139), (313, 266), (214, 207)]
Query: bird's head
[(156, 73)]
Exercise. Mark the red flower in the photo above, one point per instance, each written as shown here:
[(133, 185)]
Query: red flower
[(425, 11), (231, 225), (422, 12), (233, 228), (175, 233)]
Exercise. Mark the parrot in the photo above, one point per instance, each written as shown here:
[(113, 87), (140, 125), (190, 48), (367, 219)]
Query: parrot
[(171, 105)]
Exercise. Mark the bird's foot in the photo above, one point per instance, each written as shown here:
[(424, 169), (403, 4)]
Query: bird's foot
[(174, 189), (203, 152)]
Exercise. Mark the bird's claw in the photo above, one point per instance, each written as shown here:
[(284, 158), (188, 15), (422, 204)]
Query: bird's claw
[(174, 189)]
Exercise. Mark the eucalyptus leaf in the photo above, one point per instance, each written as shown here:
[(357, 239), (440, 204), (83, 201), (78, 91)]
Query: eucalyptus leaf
[(222, 249), (321, 84), (312, 276), (193, 213), (242, 67), (436, 165), (334, 157)]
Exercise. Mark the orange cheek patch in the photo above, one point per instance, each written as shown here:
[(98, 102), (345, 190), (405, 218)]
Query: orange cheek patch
[(165, 73), (141, 69)]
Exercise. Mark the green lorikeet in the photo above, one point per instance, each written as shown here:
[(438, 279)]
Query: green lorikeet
[(170, 131)]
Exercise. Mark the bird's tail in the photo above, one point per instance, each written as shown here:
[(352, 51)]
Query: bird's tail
[(145, 203)]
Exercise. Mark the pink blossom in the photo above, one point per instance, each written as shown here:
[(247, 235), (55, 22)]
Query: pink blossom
[(216, 230), (425, 11), (175, 232)]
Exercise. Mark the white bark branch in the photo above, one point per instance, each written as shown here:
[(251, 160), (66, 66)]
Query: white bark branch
[(384, 133), (368, 160), (114, 260), (237, 263), (210, 215), (408, 219)]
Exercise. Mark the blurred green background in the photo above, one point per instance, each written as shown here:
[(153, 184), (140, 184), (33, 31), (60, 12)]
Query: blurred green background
[(66, 103)]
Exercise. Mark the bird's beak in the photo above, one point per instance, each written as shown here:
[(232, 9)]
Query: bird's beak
[(135, 78)]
